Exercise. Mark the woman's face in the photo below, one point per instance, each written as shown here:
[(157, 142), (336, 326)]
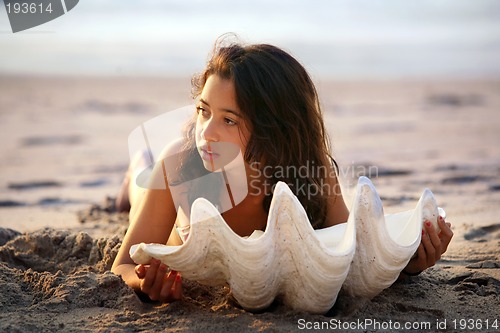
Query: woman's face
[(221, 133)]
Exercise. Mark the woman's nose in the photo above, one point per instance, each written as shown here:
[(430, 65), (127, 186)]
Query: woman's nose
[(210, 131)]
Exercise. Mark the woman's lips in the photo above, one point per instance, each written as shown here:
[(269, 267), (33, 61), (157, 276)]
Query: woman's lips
[(208, 155)]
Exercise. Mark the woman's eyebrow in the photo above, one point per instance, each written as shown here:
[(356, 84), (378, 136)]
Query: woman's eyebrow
[(225, 110), (204, 102)]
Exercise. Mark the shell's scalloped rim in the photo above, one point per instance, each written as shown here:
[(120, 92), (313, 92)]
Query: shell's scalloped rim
[(352, 261)]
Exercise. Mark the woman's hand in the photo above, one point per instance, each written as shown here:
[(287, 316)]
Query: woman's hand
[(432, 246), (159, 284)]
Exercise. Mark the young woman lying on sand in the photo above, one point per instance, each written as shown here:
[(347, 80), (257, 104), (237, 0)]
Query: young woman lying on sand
[(259, 99)]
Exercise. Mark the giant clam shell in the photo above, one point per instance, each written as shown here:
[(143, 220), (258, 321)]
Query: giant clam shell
[(305, 268), (384, 243)]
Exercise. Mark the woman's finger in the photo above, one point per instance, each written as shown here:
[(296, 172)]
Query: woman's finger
[(149, 279), (446, 234), (168, 282), (430, 251), (436, 242), (422, 257), (140, 270), (154, 293), (420, 262), (177, 289)]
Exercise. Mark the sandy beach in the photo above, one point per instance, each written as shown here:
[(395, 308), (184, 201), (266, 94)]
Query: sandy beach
[(64, 152)]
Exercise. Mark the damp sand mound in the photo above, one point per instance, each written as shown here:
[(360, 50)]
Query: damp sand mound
[(52, 280), (47, 273)]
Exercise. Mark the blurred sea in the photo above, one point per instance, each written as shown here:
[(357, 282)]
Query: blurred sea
[(360, 39)]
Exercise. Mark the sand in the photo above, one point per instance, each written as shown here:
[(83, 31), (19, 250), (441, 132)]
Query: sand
[(64, 152)]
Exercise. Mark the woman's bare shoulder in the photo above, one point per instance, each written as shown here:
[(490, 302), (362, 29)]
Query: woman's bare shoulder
[(172, 148)]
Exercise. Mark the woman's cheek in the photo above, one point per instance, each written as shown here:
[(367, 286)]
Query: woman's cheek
[(197, 133)]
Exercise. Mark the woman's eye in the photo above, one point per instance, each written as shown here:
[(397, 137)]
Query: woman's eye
[(229, 121), (201, 111)]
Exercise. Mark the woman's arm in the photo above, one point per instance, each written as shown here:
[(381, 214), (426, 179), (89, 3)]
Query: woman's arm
[(151, 221)]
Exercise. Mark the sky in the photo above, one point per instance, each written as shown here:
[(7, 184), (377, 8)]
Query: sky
[(333, 39)]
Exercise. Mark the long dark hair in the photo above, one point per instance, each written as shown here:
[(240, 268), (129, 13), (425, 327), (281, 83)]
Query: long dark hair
[(279, 102)]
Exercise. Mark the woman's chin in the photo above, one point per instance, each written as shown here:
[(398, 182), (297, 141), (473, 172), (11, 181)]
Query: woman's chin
[(211, 167)]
